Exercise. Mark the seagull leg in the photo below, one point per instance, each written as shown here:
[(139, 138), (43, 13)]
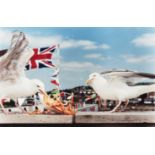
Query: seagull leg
[(19, 106), (2, 106), (117, 106), (99, 103), (126, 104), (105, 105)]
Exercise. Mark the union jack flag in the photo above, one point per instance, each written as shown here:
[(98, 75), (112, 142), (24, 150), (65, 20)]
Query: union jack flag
[(41, 58)]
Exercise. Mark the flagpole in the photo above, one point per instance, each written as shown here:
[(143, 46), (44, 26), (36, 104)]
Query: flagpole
[(57, 69), (59, 87), (58, 66)]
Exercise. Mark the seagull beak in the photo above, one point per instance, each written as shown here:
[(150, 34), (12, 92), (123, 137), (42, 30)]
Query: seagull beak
[(89, 81), (42, 92)]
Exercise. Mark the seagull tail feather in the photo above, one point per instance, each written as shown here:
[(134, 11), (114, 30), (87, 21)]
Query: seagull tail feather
[(146, 89)]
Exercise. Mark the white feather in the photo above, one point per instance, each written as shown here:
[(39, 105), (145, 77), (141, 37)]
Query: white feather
[(117, 89), (13, 82)]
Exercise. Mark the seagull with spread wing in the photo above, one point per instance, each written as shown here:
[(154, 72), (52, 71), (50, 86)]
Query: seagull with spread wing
[(13, 81), (120, 85)]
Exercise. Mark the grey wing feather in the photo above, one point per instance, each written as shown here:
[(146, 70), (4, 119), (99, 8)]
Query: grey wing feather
[(127, 76), (12, 64)]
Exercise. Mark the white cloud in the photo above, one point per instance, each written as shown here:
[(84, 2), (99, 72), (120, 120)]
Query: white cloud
[(147, 39), (80, 66), (104, 46), (84, 44), (5, 38), (95, 56), (39, 41), (139, 59)]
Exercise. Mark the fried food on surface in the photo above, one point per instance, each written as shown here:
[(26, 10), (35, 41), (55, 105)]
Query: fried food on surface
[(56, 104)]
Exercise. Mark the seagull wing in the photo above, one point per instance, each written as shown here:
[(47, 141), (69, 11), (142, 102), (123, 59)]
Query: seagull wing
[(23, 60), (126, 76), (12, 64)]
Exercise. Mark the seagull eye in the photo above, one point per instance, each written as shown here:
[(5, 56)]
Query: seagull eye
[(38, 86)]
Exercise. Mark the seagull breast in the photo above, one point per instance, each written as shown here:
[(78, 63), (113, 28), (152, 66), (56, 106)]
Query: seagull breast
[(109, 91), (22, 87)]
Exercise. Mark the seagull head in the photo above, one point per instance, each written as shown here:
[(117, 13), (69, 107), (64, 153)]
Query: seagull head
[(92, 78), (39, 86)]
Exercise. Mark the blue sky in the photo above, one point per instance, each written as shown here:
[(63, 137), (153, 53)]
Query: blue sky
[(87, 50)]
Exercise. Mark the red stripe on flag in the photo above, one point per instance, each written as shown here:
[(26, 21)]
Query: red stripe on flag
[(48, 49), (55, 82)]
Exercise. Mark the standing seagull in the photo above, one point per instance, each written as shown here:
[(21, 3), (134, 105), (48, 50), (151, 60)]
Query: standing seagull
[(13, 82), (120, 85)]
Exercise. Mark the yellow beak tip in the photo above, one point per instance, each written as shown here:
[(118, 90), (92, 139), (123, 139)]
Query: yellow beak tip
[(88, 82)]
